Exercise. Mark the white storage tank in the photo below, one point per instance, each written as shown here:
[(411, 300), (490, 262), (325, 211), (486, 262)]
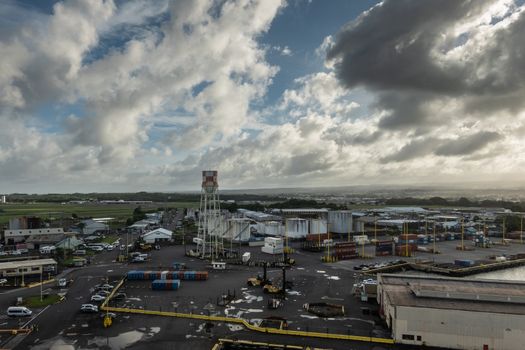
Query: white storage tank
[(270, 228), (238, 229), (318, 226), (340, 221), (274, 228), (296, 228)]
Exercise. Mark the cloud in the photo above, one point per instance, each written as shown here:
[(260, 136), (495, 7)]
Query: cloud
[(451, 54), (464, 145), (467, 145), (102, 94), (118, 69)]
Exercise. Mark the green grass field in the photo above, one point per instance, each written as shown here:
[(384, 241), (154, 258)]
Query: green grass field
[(34, 301), (95, 210)]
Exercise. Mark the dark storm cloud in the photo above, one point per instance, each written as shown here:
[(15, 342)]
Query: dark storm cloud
[(467, 145), (393, 49), (413, 149), (462, 146)]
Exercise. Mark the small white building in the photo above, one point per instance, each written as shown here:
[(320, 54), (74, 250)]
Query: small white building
[(272, 245), (158, 235)]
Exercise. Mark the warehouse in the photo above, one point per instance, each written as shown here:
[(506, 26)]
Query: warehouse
[(20, 235), (158, 235), (27, 267), (453, 313)]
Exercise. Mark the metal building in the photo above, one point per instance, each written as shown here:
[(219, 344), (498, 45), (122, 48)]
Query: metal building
[(453, 313)]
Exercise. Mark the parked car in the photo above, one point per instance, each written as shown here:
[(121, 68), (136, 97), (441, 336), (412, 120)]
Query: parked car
[(47, 249), (106, 286), (103, 292), (79, 252), (18, 311), (109, 248), (62, 283), (98, 297), (119, 296), (89, 308), (16, 252), (138, 259), (96, 248)]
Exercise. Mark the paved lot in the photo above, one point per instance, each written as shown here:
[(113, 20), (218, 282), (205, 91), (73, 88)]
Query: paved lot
[(62, 326)]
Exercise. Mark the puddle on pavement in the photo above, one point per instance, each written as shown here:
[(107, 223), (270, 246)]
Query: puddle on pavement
[(121, 341), (56, 344)]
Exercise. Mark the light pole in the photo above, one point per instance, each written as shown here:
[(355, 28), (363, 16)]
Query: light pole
[(41, 268), (434, 248), (521, 230)]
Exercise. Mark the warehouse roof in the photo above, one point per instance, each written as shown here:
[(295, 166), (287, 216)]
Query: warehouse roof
[(477, 295), (26, 263)]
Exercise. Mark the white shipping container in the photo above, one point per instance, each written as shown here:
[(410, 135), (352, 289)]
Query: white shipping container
[(246, 257)]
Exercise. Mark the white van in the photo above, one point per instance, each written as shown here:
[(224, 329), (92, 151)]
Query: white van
[(18, 311)]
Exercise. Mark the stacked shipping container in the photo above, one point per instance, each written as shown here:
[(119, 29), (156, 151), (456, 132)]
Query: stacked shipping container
[(165, 284), (168, 275), (384, 248), (344, 251)]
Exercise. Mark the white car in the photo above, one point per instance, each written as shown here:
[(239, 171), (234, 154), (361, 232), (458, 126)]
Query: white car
[(106, 286), (109, 248), (98, 297), (89, 308), (62, 283)]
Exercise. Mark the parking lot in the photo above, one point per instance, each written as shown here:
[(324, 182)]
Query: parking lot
[(63, 324)]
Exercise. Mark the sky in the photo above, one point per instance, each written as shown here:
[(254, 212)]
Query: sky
[(110, 96)]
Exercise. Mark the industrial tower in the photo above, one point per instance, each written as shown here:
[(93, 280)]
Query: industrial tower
[(209, 216)]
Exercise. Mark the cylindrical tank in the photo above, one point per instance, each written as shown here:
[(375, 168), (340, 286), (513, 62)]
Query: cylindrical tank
[(238, 229), (270, 228), (340, 221), (318, 226), (296, 228)]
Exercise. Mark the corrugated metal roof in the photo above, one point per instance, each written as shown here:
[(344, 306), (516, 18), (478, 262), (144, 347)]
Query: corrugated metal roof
[(26, 263)]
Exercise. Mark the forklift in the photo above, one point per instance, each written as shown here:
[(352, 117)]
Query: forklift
[(273, 289), (260, 281)]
